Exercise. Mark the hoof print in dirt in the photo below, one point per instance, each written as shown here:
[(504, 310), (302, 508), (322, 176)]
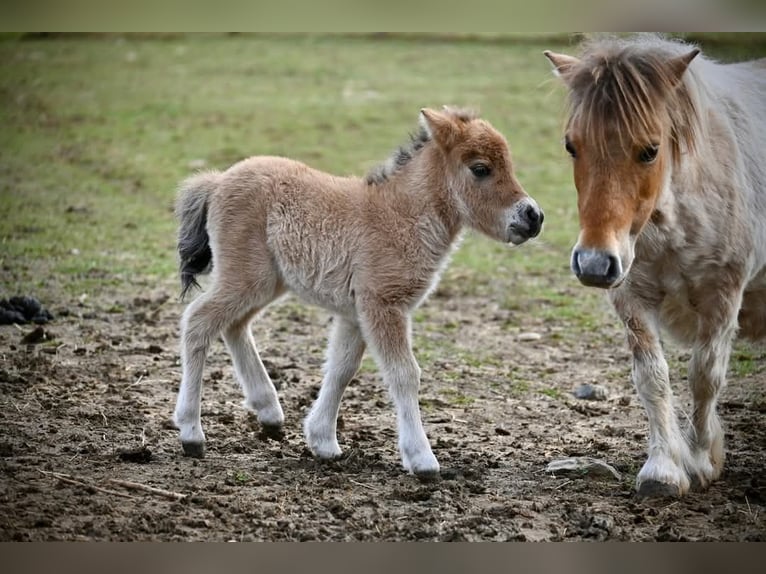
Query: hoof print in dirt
[(451, 474), (194, 449), (428, 477), (271, 432), (23, 309), (37, 335), (583, 466), (140, 455)]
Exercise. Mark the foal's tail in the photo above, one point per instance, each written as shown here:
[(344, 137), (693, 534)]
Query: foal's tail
[(193, 240)]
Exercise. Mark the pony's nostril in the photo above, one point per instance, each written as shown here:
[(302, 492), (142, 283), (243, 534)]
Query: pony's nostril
[(614, 268), (596, 268), (533, 214)]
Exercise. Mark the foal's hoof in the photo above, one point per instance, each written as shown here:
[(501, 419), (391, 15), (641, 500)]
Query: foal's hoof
[(656, 489), (273, 432), (194, 449)]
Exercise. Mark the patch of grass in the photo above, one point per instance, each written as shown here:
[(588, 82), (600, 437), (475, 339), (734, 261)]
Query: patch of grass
[(551, 392), (99, 131), (457, 398), (239, 478), (746, 360)]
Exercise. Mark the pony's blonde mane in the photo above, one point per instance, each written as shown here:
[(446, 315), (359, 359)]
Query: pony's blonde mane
[(626, 86)]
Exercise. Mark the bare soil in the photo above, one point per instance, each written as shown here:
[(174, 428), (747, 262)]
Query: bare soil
[(86, 423)]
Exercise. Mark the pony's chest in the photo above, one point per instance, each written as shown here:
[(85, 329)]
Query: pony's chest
[(666, 279)]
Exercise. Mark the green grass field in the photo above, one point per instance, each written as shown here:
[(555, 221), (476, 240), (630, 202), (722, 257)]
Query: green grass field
[(97, 131)]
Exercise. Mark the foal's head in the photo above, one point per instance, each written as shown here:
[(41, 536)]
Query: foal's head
[(476, 162), (631, 116)]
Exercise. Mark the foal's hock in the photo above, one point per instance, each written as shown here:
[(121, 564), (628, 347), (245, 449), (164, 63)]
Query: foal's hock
[(368, 250)]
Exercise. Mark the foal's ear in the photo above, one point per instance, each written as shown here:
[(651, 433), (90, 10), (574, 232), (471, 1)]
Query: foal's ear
[(679, 64), (439, 126), (562, 64)]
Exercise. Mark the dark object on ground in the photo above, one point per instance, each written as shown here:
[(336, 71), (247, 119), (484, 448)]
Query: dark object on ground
[(23, 309), (140, 455), (38, 335)]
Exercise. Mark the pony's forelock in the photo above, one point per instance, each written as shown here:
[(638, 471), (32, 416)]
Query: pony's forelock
[(626, 88)]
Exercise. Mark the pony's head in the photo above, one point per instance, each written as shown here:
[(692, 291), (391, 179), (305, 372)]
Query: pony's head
[(479, 173), (631, 116)]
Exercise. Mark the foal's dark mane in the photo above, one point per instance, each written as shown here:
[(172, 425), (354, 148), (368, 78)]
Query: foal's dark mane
[(627, 86), (404, 154)]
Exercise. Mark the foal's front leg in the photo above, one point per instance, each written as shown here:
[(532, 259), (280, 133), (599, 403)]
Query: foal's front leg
[(387, 332), (664, 472), (344, 354)]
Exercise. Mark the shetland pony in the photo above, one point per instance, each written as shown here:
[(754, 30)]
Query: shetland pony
[(669, 156), (368, 250)]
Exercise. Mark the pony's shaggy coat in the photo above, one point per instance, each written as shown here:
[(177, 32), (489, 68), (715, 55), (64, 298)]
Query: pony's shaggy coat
[(368, 250), (669, 153)]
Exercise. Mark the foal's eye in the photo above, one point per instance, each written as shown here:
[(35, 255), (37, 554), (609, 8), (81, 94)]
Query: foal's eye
[(648, 154), (480, 170), (570, 148)]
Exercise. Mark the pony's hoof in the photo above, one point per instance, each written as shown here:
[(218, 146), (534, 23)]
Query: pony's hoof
[(194, 449), (273, 432), (657, 489)]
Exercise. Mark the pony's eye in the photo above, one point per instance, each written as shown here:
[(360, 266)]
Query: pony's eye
[(570, 148), (648, 154), (480, 169)]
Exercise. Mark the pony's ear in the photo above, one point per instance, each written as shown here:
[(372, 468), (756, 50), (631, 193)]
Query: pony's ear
[(679, 64), (562, 64), (439, 126)]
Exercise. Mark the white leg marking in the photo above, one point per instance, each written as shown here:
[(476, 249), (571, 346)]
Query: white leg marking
[(344, 354), (260, 395), (387, 332), (195, 342)]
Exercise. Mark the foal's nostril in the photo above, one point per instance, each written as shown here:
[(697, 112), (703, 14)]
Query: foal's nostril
[(533, 214)]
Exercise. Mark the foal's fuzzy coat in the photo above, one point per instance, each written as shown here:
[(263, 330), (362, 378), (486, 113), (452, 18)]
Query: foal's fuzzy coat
[(368, 250), (669, 153)]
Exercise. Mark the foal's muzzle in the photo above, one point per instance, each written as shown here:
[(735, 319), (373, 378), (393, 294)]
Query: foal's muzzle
[(527, 223), (596, 268)]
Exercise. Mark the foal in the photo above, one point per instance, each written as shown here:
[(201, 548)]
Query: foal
[(669, 152), (368, 250)]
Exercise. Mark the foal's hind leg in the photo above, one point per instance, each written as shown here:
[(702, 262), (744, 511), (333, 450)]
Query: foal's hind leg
[(260, 394), (201, 321), (225, 309), (344, 353), (387, 332)]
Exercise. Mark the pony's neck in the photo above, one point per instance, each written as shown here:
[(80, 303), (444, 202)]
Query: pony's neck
[(426, 182)]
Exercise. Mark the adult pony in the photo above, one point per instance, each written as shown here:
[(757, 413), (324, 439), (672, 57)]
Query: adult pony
[(669, 155), (368, 250)]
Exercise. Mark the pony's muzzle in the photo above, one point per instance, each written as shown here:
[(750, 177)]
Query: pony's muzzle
[(596, 268), (526, 223)]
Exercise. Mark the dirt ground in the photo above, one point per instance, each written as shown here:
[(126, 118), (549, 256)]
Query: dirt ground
[(86, 417)]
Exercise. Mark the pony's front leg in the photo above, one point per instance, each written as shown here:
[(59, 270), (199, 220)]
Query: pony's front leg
[(664, 472), (707, 377), (344, 354), (387, 332)]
